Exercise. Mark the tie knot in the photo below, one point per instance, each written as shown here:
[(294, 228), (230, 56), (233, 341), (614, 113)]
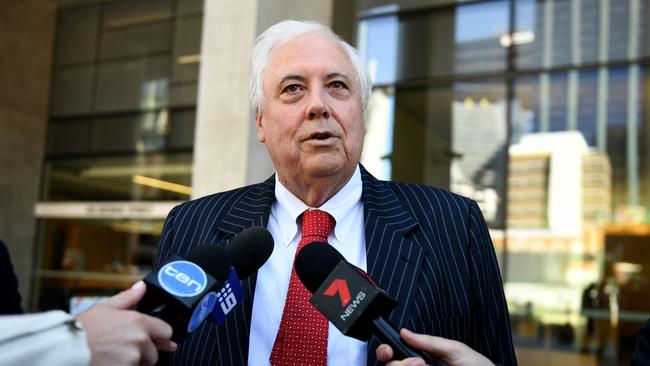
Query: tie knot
[(317, 225)]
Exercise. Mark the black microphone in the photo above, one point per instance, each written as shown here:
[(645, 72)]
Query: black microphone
[(184, 292), (349, 298)]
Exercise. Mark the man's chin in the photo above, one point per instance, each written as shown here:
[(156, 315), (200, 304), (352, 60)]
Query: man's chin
[(328, 168)]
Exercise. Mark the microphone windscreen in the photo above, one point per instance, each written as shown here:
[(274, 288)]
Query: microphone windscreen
[(213, 259), (315, 262), (249, 250)]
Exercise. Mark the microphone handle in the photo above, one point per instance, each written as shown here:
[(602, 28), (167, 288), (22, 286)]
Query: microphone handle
[(389, 335)]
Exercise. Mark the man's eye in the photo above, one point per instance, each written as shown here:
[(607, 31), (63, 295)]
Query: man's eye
[(293, 88), (337, 85)]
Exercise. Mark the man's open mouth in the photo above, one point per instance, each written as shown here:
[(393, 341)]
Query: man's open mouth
[(321, 136)]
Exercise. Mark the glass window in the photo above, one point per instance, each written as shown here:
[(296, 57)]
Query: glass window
[(527, 35), (644, 29), (181, 133), (562, 37), (589, 30), (572, 233), (133, 85), (644, 142), (587, 105), (85, 258), (73, 46), (618, 29), (558, 102), (119, 144), (68, 137), (536, 21), (128, 178), (136, 40), (379, 41), (454, 137), (72, 92), (144, 132), (127, 13), (462, 40), (525, 108), (183, 94), (616, 134), (187, 49), (378, 142)]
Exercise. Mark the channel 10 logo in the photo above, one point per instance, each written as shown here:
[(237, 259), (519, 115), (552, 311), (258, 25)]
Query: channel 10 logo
[(182, 278)]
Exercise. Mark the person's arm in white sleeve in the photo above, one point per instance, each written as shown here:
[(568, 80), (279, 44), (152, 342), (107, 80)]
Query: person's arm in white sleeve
[(106, 334)]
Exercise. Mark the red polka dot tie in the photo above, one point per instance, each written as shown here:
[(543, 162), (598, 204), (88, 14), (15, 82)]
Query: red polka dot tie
[(302, 337)]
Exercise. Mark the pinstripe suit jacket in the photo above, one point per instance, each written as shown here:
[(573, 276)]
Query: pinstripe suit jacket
[(428, 248)]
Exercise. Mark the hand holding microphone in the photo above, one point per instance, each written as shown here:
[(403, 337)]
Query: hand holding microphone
[(184, 292), (180, 295), (452, 353), (349, 298), (118, 336)]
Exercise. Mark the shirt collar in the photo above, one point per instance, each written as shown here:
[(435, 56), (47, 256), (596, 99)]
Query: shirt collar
[(341, 206)]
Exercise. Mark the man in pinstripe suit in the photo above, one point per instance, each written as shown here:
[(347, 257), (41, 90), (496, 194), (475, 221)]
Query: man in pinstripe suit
[(428, 248)]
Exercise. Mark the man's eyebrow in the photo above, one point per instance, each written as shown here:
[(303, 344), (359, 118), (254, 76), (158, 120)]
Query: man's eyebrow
[(334, 75), (291, 77)]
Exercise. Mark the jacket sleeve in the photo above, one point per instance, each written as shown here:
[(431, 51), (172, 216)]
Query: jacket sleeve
[(50, 338), (492, 334)]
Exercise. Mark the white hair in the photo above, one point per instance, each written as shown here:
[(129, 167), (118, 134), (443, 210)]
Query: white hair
[(286, 31)]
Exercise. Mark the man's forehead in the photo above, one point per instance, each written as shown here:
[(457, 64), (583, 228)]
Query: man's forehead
[(308, 54)]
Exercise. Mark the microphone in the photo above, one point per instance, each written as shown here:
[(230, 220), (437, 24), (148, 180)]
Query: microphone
[(184, 292), (349, 298)]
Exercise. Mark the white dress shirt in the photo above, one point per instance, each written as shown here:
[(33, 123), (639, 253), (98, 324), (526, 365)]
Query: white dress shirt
[(273, 277)]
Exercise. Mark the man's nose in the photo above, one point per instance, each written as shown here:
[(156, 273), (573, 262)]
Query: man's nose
[(318, 106)]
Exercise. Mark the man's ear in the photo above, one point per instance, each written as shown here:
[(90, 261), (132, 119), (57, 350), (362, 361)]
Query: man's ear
[(259, 124)]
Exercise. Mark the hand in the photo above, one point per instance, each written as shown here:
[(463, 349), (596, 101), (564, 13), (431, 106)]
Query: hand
[(442, 349), (118, 336)]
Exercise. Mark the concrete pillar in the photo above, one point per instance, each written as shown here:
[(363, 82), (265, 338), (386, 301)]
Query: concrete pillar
[(226, 152), (27, 28)]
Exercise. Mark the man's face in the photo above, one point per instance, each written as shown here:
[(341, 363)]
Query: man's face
[(311, 119)]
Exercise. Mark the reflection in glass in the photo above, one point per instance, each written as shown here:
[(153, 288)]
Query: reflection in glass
[(72, 91), (379, 47), (133, 85), (378, 142), (616, 134), (440, 41), (116, 178), (561, 33), (577, 218), (587, 105), (136, 41), (557, 102), (128, 13), (93, 257), (453, 137)]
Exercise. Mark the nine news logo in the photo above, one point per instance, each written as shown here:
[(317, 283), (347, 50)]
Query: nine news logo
[(226, 298), (182, 278)]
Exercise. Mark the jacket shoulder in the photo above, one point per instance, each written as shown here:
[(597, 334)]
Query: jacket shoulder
[(428, 198), (225, 198)]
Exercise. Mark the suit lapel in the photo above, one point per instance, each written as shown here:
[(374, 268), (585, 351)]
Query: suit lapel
[(394, 255), (252, 208)]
